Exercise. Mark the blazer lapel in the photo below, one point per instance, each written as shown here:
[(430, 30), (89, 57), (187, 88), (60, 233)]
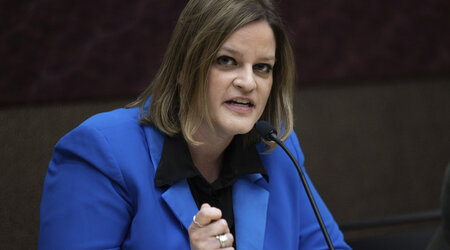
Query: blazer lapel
[(250, 200), (155, 142), (250, 203), (178, 197)]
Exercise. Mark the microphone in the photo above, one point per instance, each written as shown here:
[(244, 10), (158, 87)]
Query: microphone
[(267, 132)]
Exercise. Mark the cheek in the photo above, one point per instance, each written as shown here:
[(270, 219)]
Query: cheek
[(265, 91), (215, 92), (218, 83), (265, 94), (212, 85)]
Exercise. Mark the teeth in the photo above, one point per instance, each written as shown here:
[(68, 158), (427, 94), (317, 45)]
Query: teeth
[(241, 101)]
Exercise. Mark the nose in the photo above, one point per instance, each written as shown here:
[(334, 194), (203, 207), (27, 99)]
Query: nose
[(245, 79)]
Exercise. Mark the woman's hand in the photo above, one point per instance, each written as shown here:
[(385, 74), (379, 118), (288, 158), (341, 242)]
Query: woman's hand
[(205, 229)]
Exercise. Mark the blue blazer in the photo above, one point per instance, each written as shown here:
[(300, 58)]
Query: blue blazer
[(99, 193)]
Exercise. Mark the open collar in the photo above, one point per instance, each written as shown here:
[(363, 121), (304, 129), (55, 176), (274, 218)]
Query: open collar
[(250, 200), (176, 163)]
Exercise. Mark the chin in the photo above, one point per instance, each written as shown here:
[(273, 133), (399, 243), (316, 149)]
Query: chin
[(234, 125), (240, 129), (244, 131)]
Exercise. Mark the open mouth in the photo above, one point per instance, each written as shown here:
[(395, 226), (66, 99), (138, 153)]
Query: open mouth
[(240, 102)]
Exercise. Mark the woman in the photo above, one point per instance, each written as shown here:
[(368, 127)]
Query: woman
[(181, 167)]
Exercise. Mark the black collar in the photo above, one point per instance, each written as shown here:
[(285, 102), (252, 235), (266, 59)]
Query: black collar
[(176, 163)]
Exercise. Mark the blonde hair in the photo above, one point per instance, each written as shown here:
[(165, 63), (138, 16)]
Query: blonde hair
[(179, 90)]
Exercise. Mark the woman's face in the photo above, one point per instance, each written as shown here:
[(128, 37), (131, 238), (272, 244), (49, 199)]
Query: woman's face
[(240, 79)]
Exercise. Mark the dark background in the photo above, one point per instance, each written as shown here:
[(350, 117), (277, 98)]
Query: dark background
[(59, 50), (372, 105)]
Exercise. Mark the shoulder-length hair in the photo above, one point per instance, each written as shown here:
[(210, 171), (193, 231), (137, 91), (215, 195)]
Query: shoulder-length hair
[(179, 90)]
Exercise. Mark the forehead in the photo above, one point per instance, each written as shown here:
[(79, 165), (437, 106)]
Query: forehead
[(256, 37)]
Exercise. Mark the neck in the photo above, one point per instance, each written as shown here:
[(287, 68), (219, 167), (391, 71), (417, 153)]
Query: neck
[(207, 156)]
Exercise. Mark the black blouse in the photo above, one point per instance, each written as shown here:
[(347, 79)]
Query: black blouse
[(176, 164)]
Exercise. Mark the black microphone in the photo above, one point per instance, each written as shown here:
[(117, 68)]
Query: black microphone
[(267, 132)]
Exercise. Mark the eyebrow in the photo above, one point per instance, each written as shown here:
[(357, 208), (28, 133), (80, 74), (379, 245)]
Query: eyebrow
[(235, 52)]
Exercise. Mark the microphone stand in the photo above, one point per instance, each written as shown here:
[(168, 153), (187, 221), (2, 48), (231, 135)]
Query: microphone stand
[(268, 133), (310, 197)]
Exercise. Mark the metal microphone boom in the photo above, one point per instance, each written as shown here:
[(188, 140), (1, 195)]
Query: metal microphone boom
[(266, 131)]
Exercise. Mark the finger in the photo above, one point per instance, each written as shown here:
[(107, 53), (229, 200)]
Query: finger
[(207, 214), (195, 222), (206, 236), (218, 227), (205, 205), (208, 231), (211, 243), (226, 244)]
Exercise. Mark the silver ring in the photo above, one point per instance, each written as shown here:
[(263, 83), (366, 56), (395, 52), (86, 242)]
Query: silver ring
[(196, 223), (223, 239)]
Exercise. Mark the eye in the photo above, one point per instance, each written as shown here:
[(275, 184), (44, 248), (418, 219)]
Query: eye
[(225, 61), (263, 67)]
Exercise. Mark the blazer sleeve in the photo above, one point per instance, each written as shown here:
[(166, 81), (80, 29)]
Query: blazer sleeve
[(84, 202), (311, 236)]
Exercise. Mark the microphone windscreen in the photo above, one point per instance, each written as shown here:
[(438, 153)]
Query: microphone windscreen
[(265, 130)]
